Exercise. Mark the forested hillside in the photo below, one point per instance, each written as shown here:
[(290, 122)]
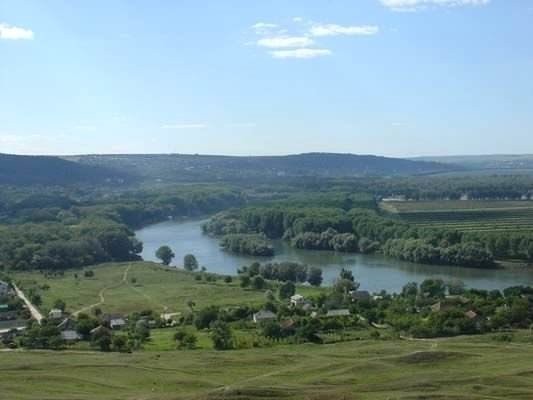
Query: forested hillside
[(180, 167), (29, 170)]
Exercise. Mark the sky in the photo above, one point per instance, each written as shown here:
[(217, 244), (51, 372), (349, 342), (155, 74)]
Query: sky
[(250, 77)]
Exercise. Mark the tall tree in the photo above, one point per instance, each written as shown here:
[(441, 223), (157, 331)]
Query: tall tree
[(165, 254)]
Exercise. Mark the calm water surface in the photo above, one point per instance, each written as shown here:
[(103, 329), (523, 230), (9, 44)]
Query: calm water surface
[(374, 272)]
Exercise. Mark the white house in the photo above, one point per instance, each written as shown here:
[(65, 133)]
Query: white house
[(297, 300), (264, 315), (338, 313), (55, 313)]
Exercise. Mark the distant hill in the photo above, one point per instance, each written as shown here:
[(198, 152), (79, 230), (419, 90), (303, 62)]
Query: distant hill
[(179, 167), (497, 163), (47, 170)]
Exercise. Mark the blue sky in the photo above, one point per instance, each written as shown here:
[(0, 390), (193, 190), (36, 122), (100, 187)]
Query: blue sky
[(389, 77)]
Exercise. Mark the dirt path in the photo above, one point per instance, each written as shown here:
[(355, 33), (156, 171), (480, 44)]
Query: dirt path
[(101, 293), (35, 313)]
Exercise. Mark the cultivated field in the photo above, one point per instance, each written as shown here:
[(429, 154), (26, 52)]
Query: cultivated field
[(129, 287), (465, 215), (460, 368)]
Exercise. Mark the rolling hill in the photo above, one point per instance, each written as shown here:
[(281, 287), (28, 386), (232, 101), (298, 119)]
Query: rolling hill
[(48, 170), (180, 167)]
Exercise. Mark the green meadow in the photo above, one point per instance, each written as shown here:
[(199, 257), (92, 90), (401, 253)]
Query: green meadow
[(129, 287), (458, 368)]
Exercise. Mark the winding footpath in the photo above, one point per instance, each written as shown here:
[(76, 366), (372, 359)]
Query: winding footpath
[(35, 313), (101, 293)]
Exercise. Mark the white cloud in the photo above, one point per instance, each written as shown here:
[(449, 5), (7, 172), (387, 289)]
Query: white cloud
[(415, 5), (285, 42), (184, 126), (336, 30), (300, 53), (9, 32), (263, 28)]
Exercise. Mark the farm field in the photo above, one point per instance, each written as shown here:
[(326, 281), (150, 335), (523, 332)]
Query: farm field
[(129, 287), (475, 215), (458, 368)]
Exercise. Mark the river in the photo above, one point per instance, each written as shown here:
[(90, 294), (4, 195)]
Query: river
[(374, 272)]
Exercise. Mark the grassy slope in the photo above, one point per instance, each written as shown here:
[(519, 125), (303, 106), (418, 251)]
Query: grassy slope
[(155, 288), (460, 368)]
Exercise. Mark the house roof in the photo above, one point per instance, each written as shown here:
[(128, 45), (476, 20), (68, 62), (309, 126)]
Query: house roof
[(471, 314), (297, 297), (70, 335), (338, 313), (67, 324), (264, 314), (97, 329)]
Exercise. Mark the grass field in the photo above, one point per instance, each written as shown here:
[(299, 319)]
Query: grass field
[(128, 287), (465, 215), (459, 368)]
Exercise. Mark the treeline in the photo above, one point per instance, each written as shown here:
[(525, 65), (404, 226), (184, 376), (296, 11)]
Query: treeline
[(366, 231), (253, 245), (284, 272), (59, 230)]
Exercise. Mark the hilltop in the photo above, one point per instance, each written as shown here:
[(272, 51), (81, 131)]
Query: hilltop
[(183, 167), (49, 170)]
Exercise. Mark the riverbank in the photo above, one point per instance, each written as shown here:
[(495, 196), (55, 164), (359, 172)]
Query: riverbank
[(374, 272)]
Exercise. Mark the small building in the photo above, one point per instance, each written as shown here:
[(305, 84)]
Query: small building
[(98, 329), (4, 307), (297, 300), (263, 316), (4, 289), (287, 324), (70, 336), (344, 312), (68, 324), (115, 321), (55, 313), (471, 315), (360, 295)]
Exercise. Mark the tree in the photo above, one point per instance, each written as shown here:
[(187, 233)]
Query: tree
[(221, 336), (165, 254), (347, 274), (60, 304), (315, 276), (286, 290), (410, 289), (245, 281), (190, 263), (119, 343), (185, 340), (102, 339), (206, 316), (258, 282)]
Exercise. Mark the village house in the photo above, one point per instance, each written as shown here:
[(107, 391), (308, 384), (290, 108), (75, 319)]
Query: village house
[(117, 322), (360, 295), (344, 312), (449, 303), (297, 300), (68, 331), (55, 313), (263, 316), (4, 289), (70, 335), (97, 330)]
